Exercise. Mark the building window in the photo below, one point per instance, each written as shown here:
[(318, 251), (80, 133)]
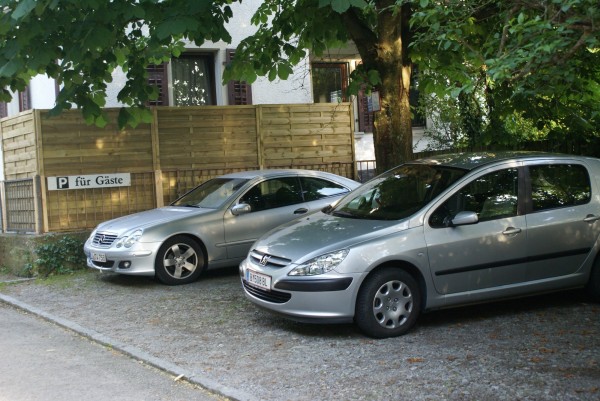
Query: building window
[(157, 76), (3, 110), (193, 80), (330, 81)]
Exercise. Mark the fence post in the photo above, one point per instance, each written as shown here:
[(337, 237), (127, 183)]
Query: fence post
[(158, 188), (260, 146), (38, 210), (3, 209)]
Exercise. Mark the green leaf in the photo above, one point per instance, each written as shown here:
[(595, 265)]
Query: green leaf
[(340, 6), (175, 26), (101, 121), (10, 68), (374, 77), (284, 71), (456, 92), (359, 3), (23, 9), (272, 74)]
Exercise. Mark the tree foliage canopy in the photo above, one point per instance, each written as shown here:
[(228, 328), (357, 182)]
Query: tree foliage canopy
[(504, 66), (537, 60), (80, 44)]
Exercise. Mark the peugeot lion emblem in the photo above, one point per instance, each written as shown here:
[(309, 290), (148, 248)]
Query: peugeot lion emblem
[(264, 260)]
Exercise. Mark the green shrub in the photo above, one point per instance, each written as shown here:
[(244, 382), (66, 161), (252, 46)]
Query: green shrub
[(57, 255)]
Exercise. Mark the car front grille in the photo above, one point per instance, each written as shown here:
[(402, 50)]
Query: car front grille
[(264, 259), (276, 297), (104, 240)]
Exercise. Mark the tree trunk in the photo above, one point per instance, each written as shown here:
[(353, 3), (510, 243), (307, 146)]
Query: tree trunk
[(392, 134), (386, 50)]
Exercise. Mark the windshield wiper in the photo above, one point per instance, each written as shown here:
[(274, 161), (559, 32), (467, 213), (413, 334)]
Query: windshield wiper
[(340, 213)]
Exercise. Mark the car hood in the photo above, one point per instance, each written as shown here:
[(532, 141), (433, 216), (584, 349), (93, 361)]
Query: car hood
[(306, 238), (150, 218)]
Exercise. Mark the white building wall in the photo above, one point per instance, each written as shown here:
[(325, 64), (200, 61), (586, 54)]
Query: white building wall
[(43, 92)]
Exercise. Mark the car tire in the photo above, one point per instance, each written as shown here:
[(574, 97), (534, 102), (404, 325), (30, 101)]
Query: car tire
[(180, 260), (593, 285), (388, 303)]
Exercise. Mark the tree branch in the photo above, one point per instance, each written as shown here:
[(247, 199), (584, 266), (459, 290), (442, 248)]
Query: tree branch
[(362, 36)]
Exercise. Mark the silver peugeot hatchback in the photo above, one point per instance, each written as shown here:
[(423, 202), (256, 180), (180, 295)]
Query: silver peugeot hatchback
[(434, 233), (211, 226)]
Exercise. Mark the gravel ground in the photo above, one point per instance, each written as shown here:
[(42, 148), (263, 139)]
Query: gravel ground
[(539, 348)]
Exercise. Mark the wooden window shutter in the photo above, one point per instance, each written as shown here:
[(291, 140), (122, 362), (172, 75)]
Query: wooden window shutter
[(239, 92), (24, 100), (157, 76), (3, 110), (365, 117)]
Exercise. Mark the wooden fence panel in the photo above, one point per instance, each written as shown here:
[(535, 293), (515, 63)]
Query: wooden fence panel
[(85, 208), (19, 145), (295, 135), (207, 137), (20, 205), (70, 146)]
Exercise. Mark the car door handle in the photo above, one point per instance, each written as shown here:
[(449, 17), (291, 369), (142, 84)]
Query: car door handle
[(590, 218), (511, 231), (302, 210)]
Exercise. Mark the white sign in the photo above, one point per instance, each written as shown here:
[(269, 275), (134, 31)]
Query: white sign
[(89, 181)]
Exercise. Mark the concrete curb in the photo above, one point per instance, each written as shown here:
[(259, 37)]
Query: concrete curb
[(133, 352)]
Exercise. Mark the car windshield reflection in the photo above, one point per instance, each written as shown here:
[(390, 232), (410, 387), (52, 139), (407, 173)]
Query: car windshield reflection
[(398, 193), (211, 194)]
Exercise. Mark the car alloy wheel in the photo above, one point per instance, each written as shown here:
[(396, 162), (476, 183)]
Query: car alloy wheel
[(388, 303), (180, 260)]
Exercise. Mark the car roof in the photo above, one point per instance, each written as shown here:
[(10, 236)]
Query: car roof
[(269, 173), (471, 161)]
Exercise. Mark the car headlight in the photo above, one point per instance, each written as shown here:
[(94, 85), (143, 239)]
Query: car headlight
[(320, 265), (129, 240)]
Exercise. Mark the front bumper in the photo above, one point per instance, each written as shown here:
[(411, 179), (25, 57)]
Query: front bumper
[(328, 298), (137, 260)]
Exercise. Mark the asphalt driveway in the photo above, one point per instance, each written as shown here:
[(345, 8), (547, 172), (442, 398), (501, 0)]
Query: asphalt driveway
[(539, 348)]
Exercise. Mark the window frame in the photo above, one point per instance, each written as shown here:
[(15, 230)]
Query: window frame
[(530, 205), (472, 180), (210, 58), (344, 76)]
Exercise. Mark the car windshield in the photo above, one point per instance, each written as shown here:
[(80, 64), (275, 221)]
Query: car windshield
[(399, 193), (212, 194)]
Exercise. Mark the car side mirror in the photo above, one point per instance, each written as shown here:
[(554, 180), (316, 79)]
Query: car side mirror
[(463, 219), (241, 208)]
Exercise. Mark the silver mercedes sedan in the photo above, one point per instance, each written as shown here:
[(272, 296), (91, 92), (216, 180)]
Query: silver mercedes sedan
[(213, 225), (435, 233)]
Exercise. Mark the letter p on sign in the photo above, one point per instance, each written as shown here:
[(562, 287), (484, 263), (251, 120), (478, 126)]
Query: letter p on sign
[(62, 182)]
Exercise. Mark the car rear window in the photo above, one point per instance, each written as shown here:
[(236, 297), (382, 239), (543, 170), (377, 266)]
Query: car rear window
[(559, 185)]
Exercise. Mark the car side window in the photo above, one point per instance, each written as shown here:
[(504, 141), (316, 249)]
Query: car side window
[(317, 188), (273, 193), (492, 196), (559, 185)]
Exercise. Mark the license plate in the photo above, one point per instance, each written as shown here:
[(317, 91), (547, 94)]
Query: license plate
[(258, 280), (98, 257)]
